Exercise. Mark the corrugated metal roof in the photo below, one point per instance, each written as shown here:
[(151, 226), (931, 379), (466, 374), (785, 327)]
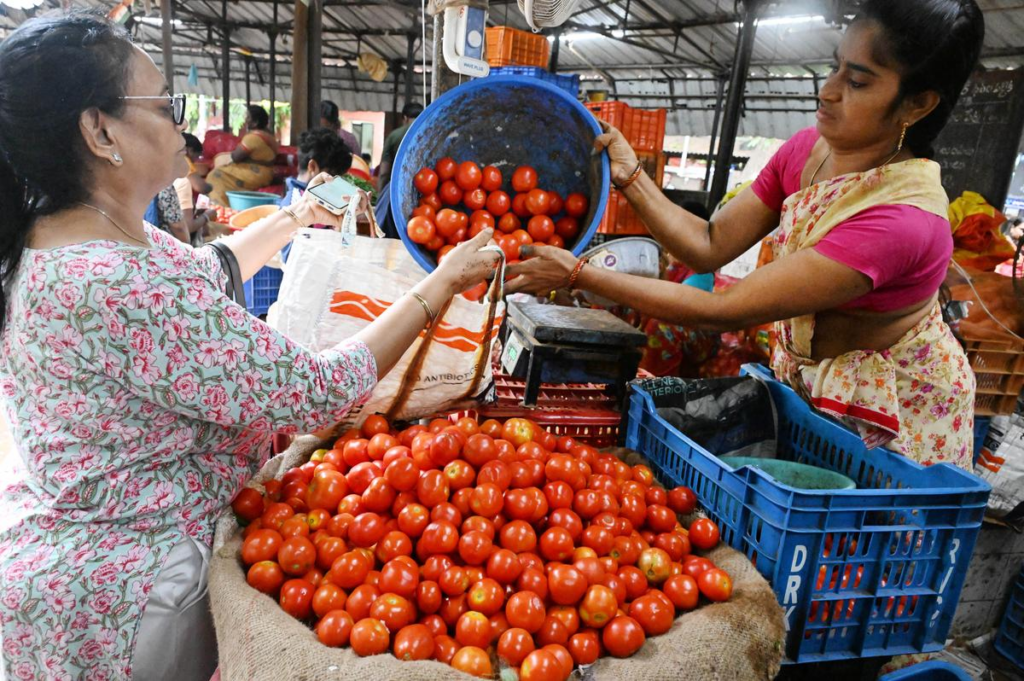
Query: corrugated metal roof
[(654, 53)]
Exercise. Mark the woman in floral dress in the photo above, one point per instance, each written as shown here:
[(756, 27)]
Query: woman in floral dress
[(863, 238), (139, 396)]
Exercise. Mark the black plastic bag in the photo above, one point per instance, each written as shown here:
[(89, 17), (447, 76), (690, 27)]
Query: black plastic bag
[(725, 416)]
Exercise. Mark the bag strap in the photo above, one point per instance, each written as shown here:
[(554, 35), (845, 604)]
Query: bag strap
[(229, 263)]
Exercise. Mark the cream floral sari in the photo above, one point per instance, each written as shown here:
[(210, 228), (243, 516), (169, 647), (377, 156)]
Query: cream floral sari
[(916, 397)]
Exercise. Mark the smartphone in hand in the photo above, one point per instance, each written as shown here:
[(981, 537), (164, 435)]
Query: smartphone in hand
[(334, 195)]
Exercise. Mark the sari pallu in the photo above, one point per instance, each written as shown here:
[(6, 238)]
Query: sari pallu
[(254, 172), (916, 397)]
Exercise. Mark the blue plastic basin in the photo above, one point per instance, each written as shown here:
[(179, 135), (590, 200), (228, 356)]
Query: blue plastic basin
[(243, 200), (506, 122)]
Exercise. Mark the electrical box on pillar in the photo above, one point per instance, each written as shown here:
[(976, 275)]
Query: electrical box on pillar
[(463, 46)]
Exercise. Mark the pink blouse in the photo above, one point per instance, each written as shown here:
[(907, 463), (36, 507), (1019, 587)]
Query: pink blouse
[(903, 250)]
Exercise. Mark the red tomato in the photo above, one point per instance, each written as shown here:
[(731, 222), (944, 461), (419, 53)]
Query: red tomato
[(468, 176), (677, 546), (486, 500), (576, 205), (498, 203), (475, 548), (425, 212), (459, 474), (369, 637), (561, 653), (523, 237), (623, 636), (508, 223), (704, 534), (366, 530), (439, 537), (261, 545), (335, 628), (361, 475), (448, 222), (695, 566), (275, 515), (541, 665), (552, 631), (445, 648), (446, 168), (654, 614), (328, 550), (538, 202), (473, 629), (432, 200), (425, 181), (413, 519), (475, 199), (504, 566), (473, 660), (265, 576), (518, 431), (655, 565), (297, 598), (683, 591), (414, 642), (567, 584), (556, 241), (510, 246), (435, 244), (567, 228), (525, 610), (484, 218), (598, 606), (599, 538), (524, 179), (556, 204), (328, 597), (532, 579), (400, 577), (379, 496), (491, 178), (519, 206), (402, 474), (393, 610), (248, 504), (556, 544), (585, 647), (660, 518), (297, 556), (432, 488), (450, 193), (514, 645), (568, 519), (715, 584)]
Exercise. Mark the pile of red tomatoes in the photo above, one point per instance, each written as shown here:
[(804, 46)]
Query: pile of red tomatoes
[(459, 200), (483, 546)]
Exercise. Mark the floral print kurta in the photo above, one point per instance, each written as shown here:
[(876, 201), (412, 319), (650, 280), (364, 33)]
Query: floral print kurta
[(141, 399)]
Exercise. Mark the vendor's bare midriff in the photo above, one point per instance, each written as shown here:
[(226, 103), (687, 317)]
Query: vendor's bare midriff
[(840, 331)]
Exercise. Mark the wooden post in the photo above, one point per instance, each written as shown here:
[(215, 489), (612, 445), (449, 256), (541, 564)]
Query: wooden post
[(273, 71), (314, 62), (167, 14), (226, 59), (442, 79), (300, 72)]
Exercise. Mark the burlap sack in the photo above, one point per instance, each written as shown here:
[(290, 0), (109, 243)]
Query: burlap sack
[(733, 641)]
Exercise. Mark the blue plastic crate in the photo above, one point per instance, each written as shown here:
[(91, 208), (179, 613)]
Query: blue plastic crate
[(1010, 638), (929, 671), (569, 83), (261, 291), (860, 573)]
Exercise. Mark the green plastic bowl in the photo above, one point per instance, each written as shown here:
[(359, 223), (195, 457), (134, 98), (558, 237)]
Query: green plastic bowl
[(796, 475), (243, 200)]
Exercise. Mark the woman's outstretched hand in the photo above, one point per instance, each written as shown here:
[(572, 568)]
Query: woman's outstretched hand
[(622, 157), (544, 269), (470, 262)]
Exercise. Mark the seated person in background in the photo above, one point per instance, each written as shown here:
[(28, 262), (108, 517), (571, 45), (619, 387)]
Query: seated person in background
[(252, 160), (320, 151), (196, 171), (172, 211)]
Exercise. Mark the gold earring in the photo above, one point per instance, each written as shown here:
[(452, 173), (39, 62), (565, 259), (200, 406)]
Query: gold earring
[(903, 136)]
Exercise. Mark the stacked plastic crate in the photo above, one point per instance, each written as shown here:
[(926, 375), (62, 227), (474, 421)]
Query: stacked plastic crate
[(645, 131)]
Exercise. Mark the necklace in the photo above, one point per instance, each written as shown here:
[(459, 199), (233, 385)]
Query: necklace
[(114, 222), (829, 155)]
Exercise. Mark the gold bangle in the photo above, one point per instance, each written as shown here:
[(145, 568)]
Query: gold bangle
[(290, 213), (426, 307)]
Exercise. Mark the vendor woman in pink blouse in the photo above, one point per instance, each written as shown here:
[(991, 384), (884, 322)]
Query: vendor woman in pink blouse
[(863, 240), (140, 397)]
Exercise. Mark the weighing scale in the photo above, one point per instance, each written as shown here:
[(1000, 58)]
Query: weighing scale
[(554, 344)]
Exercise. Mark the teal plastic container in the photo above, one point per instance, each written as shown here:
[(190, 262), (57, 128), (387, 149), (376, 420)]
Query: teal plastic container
[(243, 200), (796, 475)]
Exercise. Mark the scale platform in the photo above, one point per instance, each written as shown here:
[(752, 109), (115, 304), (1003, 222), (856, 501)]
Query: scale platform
[(553, 344)]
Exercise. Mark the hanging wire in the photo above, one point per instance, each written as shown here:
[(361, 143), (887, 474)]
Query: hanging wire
[(981, 301)]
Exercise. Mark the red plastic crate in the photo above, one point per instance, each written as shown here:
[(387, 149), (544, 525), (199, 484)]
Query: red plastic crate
[(644, 129), (508, 46), (619, 216)]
